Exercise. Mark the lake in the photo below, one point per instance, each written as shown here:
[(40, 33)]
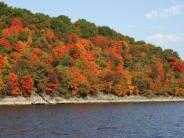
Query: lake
[(136, 120)]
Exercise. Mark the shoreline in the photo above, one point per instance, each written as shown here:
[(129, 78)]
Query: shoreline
[(48, 100)]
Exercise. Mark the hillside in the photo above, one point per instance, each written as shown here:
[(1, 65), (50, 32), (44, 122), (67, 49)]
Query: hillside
[(52, 55)]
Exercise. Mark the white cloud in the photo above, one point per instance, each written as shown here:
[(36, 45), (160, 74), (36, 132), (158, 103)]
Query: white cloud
[(173, 41), (164, 13), (166, 39)]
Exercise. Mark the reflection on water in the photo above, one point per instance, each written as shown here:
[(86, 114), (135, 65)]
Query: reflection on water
[(149, 120)]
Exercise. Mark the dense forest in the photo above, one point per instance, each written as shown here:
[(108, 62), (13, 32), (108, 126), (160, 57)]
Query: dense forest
[(55, 56)]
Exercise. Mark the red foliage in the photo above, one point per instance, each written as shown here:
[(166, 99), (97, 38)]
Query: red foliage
[(27, 85), (176, 65), (101, 41), (179, 67), (160, 69), (49, 59), (13, 84), (34, 57), (2, 61), (72, 38), (69, 47), (5, 43), (74, 54), (118, 50), (51, 86), (17, 24)]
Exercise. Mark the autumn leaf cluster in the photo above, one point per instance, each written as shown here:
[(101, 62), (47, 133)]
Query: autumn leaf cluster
[(52, 55)]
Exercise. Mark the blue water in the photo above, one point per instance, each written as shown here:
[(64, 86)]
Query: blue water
[(140, 120)]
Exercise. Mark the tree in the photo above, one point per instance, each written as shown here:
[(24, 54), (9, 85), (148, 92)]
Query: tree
[(160, 69), (169, 54), (64, 79), (62, 24), (107, 31), (79, 82), (54, 56), (27, 85), (85, 29), (13, 84)]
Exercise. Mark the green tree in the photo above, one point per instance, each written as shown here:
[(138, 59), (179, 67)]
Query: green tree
[(85, 29), (107, 31), (62, 24)]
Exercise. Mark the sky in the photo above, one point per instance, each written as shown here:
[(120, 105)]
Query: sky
[(160, 22)]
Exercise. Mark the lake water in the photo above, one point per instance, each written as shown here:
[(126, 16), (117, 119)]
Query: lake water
[(136, 120)]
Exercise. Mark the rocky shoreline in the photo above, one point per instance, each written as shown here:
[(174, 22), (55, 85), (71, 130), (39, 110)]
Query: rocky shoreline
[(48, 100)]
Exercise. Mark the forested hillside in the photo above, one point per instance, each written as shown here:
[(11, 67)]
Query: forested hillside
[(52, 55)]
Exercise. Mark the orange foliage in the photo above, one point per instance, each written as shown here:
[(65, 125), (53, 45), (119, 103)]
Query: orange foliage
[(1, 84), (7, 32), (120, 90), (14, 29), (87, 56), (13, 84), (16, 56), (59, 51), (49, 34), (20, 46), (120, 69), (78, 78), (116, 64), (160, 68), (37, 50)]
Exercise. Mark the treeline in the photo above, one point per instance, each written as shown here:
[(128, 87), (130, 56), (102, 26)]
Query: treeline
[(52, 55)]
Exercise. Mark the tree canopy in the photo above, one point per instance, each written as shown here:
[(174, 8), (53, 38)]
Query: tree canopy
[(52, 55)]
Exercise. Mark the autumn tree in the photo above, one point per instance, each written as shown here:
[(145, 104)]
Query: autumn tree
[(13, 84), (27, 85)]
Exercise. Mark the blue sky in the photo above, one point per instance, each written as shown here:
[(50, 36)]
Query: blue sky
[(157, 21)]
